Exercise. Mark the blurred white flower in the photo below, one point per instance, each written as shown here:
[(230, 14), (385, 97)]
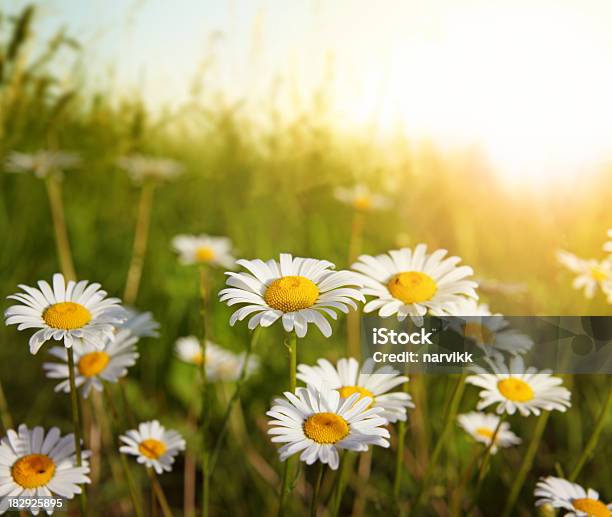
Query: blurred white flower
[(204, 249), (140, 324), (361, 198), (42, 163), (590, 274), (221, 364), (141, 168), (481, 427), (607, 247)]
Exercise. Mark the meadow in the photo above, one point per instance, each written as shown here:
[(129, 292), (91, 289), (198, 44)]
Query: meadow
[(269, 187)]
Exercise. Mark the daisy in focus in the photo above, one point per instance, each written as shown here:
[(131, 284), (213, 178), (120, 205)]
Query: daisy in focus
[(221, 364), (153, 445), (590, 274), (296, 290), (41, 163), (578, 502), (414, 283), (490, 332), (204, 249), (76, 313), (515, 388), (142, 168), (35, 463), (319, 423), (361, 198), (140, 324), (481, 427), (348, 379), (94, 365)]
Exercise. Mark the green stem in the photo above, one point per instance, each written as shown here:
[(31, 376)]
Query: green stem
[(340, 483), (141, 236), (235, 397), (449, 420), (316, 489), (62, 243), (5, 414), (519, 480), (76, 421), (159, 494), (291, 344), (399, 458), (592, 443)]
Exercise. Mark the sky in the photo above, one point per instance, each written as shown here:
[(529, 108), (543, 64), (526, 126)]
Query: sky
[(528, 81)]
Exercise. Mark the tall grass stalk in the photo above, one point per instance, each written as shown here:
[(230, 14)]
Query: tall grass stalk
[(205, 412), (449, 420), (525, 467), (159, 494), (589, 449), (353, 317), (141, 237), (399, 455), (314, 502), (5, 415)]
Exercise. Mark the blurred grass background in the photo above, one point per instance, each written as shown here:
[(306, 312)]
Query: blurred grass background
[(270, 188)]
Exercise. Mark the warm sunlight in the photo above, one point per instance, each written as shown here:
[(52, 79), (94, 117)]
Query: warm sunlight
[(531, 87)]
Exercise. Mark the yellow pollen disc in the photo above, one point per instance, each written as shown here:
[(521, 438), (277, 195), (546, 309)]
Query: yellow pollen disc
[(515, 390), (485, 432), (362, 203), (66, 315), (592, 507), (347, 391), (326, 428), (198, 359), (291, 293), (599, 274), (93, 363), (412, 287), (204, 254), (152, 448), (479, 333), (33, 470)]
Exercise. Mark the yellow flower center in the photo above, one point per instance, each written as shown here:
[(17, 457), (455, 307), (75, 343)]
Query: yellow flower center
[(347, 391), (412, 287), (599, 274), (515, 390), (33, 470), (152, 448), (66, 315), (204, 254), (362, 203), (93, 363), (326, 428), (291, 293), (591, 507), (479, 333), (198, 359), (485, 432)]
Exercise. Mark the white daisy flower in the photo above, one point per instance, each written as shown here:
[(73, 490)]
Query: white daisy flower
[(153, 445), (76, 313), (481, 427), (140, 324), (92, 365), (515, 387), (204, 249), (296, 290), (560, 493), (221, 364), (413, 283), (490, 332), (348, 379), (361, 198), (320, 423), (141, 168), (41, 163), (35, 463), (590, 274), (607, 247)]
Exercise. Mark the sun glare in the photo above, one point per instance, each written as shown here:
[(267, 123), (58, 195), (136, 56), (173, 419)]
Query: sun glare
[(530, 86)]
